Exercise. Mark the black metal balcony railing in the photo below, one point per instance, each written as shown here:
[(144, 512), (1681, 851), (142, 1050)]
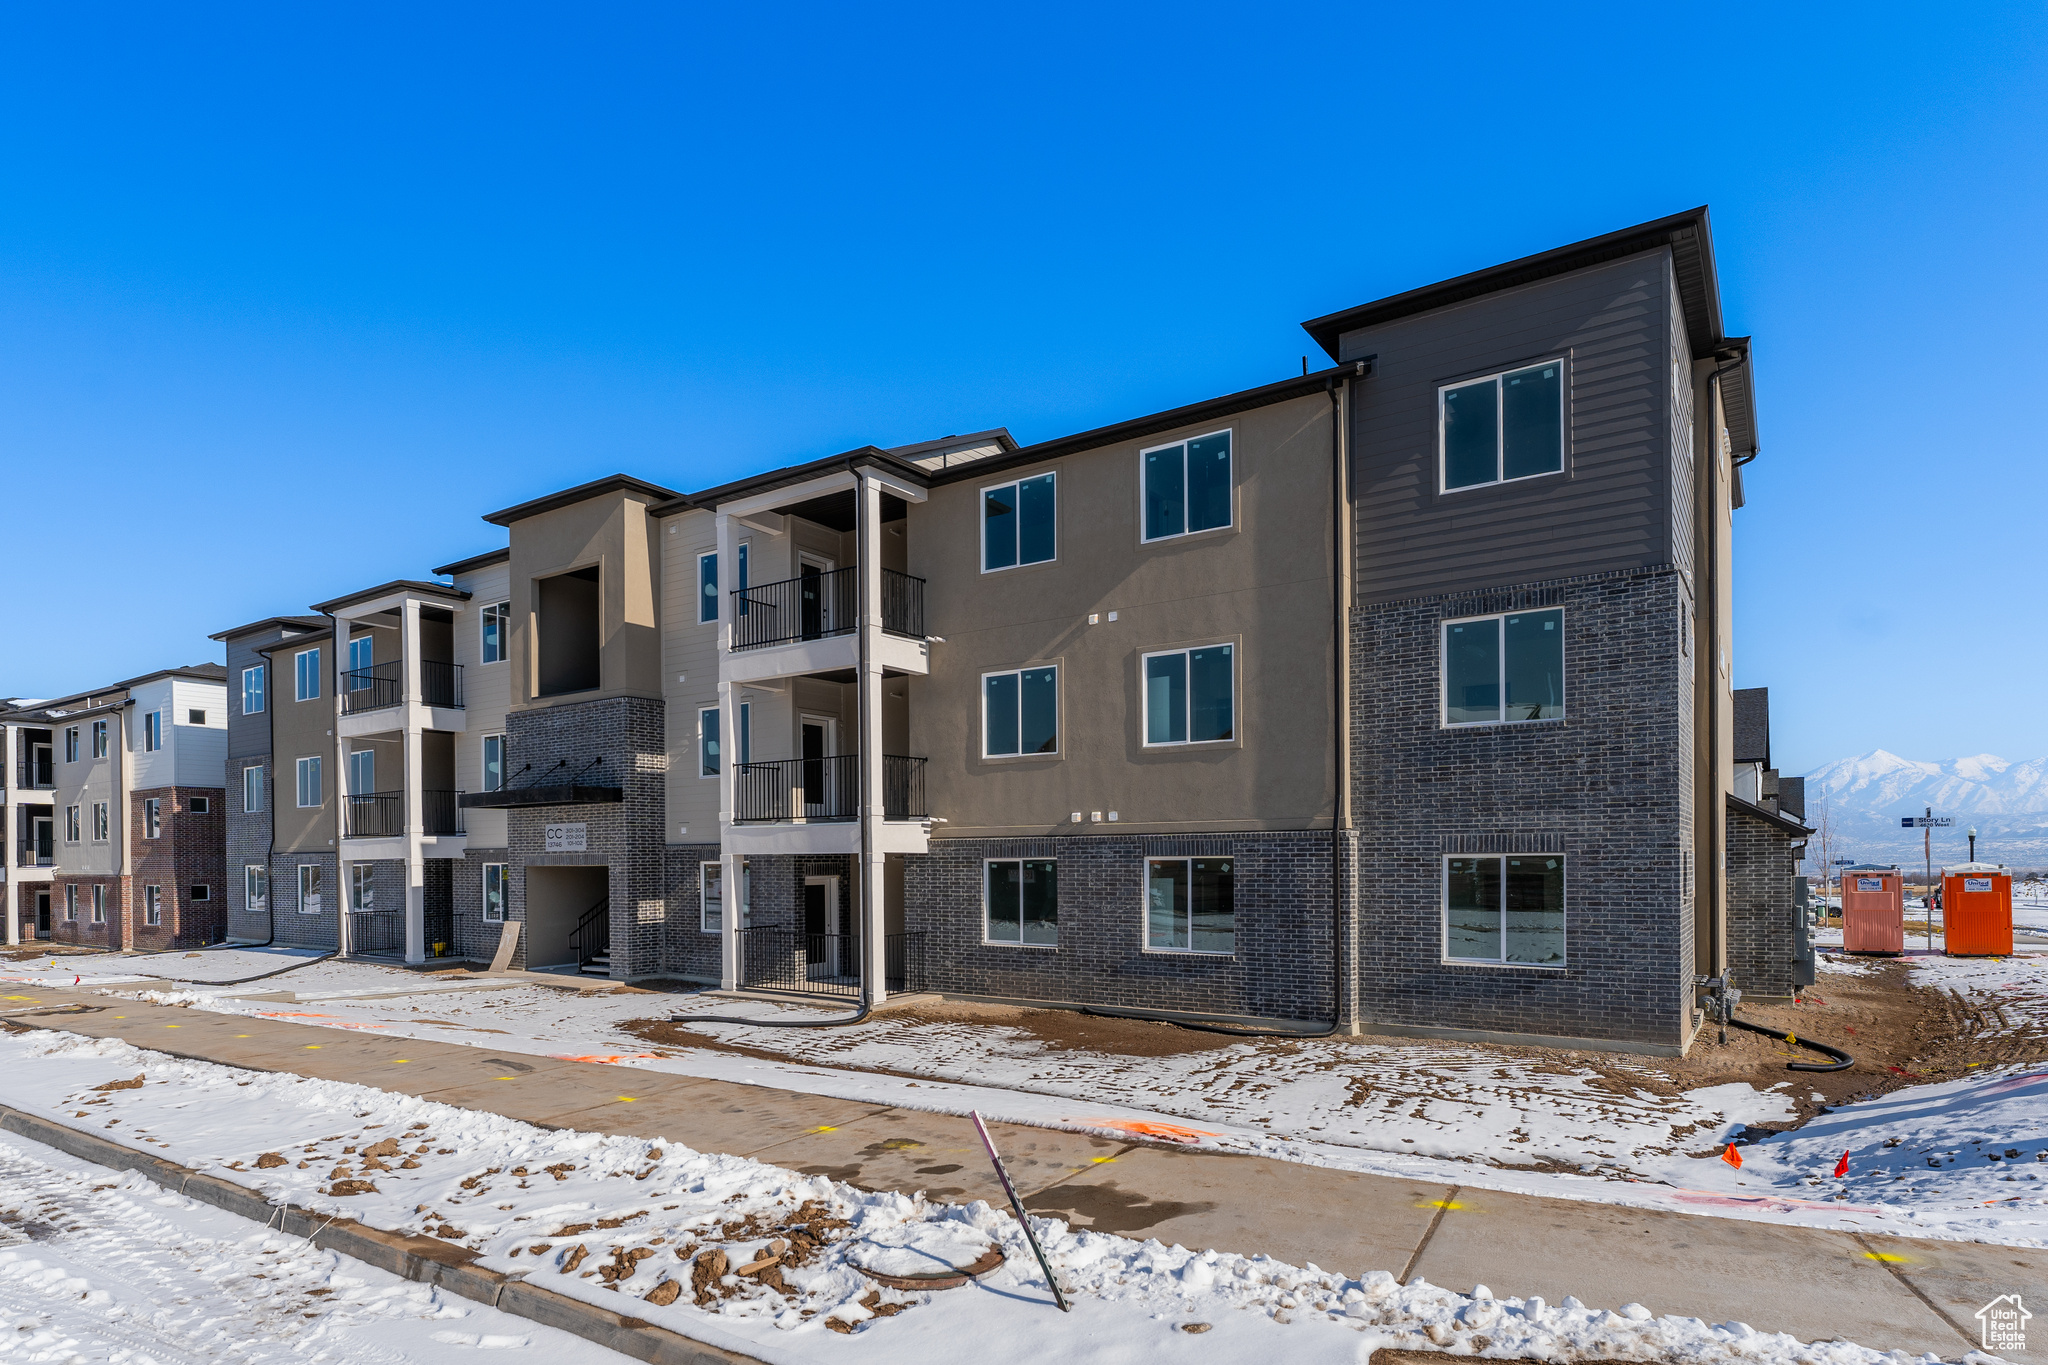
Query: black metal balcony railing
[(821, 789), (38, 769), (35, 853), (380, 930), (816, 606), (823, 964), (381, 815), (902, 604), (381, 685)]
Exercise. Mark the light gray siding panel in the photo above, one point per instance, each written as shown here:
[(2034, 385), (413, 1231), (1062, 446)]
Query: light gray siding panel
[(1611, 507)]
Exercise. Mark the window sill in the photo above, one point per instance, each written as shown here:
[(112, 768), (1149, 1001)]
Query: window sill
[(1171, 745), (1027, 947), (1021, 758), (1190, 535), (1503, 966), (1497, 483), (1189, 952), (1498, 724)]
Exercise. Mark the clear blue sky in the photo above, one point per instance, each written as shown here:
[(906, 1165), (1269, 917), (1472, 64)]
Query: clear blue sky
[(287, 301)]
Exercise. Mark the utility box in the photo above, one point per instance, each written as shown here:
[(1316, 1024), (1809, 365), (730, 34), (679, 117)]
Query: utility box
[(1873, 910), (1802, 933), (1976, 910)]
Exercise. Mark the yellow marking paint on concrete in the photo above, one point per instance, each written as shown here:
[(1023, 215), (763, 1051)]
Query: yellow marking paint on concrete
[(824, 1128), (627, 1099), (312, 1047), (174, 1026), (400, 1061), (504, 1078), (1885, 1256), (1441, 1204), (241, 1035), (1101, 1160)]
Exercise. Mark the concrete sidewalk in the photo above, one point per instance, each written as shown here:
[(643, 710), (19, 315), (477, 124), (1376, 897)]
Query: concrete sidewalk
[(1921, 1296)]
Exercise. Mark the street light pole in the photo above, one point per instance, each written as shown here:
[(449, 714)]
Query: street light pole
[(1927, 888), (1973, 843)]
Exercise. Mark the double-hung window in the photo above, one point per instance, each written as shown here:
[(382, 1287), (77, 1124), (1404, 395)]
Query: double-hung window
[(707, 741), (1504, 427), (1191, 696), (256, 887), (707, 587), (99, 822), (1190, 905), (152, 905), (1020, 712), (1187, 486), (497, 627), (252, 690), (494, 763), (152, 817), (71, 744), (252, 789), (99, 739), (306, 674), (309, 781), (494, 892), (1506, 909), (1023, 902), (1504, 668), (152, 731), (1017, 523)]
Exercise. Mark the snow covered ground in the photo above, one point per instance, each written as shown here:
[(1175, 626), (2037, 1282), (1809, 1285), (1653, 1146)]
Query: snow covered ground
[(99, 1266), (1537, 1123), (613, 1219)]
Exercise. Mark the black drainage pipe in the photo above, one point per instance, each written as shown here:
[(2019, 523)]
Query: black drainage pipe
[(1843, 1061)]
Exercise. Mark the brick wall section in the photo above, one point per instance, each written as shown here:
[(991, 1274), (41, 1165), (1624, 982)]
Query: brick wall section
[(248, 841), (1760, 908), (1605, 786), (83, 931), (1281, 967), (475, 937), (687, 951), (190, 851), (296, 929), (623, 836)]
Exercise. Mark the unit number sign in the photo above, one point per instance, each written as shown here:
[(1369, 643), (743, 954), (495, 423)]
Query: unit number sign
[(568, 838)]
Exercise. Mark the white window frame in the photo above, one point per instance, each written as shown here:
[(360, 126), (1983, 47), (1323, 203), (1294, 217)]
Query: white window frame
[(99, 903), (71, 744), (484, 760), (252, 686), (319, 793), (501, 613), (1443, 915), (305, 674), (99, 739), (252, 789), (1059, 710), (745, 734), (199, 892), (152, 817), (319, 891), (1443, 672), (1184, 442), (981, 515), (1052, 947), (102, 822), (152, 904), (362, 763), (71, 903), (74, 824), (1145, 862), (707, 921), (485, 888), (362, 888), (255, 888), (1145, 700), (152, 731), (199, 805), (1500, 426), (713, 595), (705, 737)]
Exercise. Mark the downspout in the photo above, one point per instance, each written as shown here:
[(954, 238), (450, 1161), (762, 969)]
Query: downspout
[(124, 770)]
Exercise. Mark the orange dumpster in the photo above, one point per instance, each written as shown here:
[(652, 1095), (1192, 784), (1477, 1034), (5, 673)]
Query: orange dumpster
[(1873, 910), (1976, 910)]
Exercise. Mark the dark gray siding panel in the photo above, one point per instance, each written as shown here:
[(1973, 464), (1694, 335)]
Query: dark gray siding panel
[(1681, 439), (1609, 510)]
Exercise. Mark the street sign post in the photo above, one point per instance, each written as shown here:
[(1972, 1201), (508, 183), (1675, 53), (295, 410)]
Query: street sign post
[(1926, 821), (1927, 824)]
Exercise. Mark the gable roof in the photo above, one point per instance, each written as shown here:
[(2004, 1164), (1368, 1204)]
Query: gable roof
[(280, 622), (582, 492)]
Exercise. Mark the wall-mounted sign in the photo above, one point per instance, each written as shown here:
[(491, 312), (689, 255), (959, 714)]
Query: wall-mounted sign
[(568, 838), (1976, 884)]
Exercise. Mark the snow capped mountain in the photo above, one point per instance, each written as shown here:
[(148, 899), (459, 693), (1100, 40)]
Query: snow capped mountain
[(2006, 801)]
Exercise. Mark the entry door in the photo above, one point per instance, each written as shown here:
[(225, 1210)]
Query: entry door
[(820, 735), (43, 831), (812, 597), (821, 927), (43, 914)]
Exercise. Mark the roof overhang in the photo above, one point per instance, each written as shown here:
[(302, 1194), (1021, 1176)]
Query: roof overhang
[(565, 794), (385, 596), (280, 622), (582, 492), (475, 562), (796, 483), (1784, 823)]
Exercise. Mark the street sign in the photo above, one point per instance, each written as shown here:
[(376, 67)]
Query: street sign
[(1926, 821)]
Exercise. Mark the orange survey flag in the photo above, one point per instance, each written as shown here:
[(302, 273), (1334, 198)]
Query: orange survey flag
[(1732, 1157), (1842, 1166)]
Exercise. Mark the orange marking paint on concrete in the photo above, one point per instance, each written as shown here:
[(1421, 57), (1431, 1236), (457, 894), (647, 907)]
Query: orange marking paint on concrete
[(1170, 1132)]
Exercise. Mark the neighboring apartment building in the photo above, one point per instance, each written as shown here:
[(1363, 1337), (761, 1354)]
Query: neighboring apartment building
[(1768, 948), (127, 782), (1393, 696), (28, 774)]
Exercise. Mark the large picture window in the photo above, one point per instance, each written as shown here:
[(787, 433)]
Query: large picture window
[(1507, 909), (1190, 905), (1023, 902), (494, 892), (1187, 486), (1017, 523), (306, 674), (1190, 696), (1020, 712), (1504, 668), (1504, 427), (497, 628)]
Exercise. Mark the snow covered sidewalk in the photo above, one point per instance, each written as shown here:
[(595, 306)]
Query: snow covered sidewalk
[(763, 1260)]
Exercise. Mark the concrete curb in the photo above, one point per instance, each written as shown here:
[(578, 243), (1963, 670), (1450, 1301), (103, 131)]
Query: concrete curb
[(425, 1260)]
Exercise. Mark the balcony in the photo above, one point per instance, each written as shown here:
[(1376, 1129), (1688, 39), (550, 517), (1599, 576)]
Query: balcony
[(382, 685), (35, 853), (824, 964), (381, 815), (823, 790), (820, 606)]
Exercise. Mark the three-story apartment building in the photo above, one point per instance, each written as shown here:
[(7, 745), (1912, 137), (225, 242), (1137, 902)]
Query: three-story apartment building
[(123, 806)]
